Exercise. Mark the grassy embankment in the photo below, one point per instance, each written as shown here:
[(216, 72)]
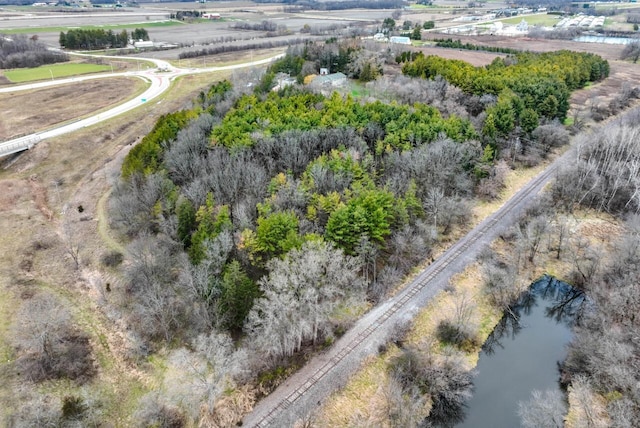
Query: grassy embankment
[(53, 71)]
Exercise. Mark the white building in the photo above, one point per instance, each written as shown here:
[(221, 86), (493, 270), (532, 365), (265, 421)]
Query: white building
[(332, 80), (380, 37), (401, 40), (143, 44), (522, 26)]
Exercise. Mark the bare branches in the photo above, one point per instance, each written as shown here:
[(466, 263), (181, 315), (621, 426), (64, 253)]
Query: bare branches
[(49, 345), (544, 410), (300, 295)]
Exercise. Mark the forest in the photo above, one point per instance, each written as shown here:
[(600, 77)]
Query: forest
[(17, 51), (260, 224), (278, 217), (92, 39)]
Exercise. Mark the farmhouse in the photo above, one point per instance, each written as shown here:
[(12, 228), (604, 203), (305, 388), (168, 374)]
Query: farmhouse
[(332, 80)]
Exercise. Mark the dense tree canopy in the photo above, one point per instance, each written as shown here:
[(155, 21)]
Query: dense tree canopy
[(542, 80), (244, 182), (404, 126), (93, 39)]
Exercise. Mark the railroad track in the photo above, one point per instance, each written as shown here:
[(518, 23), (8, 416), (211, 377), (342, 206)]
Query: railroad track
[(402, 300)]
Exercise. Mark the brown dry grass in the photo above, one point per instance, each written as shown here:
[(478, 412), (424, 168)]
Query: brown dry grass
[(228, 58), (41, 190), (363, 397), (26, 112)]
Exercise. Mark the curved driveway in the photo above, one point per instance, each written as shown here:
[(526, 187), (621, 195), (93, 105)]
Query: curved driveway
[(159, 78)]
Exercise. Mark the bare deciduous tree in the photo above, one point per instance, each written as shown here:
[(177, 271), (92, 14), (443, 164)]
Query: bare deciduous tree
[(48, 344), (72, 243), (202, 375), (300, 294), (444, 379), (543, 410), (404, 407)]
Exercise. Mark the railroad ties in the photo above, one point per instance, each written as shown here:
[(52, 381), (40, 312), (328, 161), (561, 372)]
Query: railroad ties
[(427, 275)]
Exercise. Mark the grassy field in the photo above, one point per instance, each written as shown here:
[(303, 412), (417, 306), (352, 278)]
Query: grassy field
[(53, 71), (228, 58), (542, 19), (146, 24)]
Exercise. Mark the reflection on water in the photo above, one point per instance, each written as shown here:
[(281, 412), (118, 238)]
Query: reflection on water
[(522, 353), (605, 39)]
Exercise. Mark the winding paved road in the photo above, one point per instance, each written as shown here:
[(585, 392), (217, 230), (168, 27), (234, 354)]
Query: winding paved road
[(325, 373), (159, 80)]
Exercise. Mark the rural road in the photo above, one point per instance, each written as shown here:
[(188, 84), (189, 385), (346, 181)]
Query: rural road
[(304, 391), (159, 78)]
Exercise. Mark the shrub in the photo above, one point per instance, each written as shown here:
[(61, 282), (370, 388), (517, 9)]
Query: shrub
[(112, 259)]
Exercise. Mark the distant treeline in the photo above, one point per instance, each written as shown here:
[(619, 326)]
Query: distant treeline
[(457, 44), (18, 51), (185, 14), (342, 5), (549, 4), (99, 39), (261, 26), (16, 2), (235, 48)]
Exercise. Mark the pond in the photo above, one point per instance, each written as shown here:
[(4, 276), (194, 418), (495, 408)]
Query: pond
[(522, 354), (606, 40)]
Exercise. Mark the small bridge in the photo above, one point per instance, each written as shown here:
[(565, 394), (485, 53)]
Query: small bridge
[(18, 144)]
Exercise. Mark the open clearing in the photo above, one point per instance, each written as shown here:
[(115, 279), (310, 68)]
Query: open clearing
[(53, 71), (608, 52), (26, 112)]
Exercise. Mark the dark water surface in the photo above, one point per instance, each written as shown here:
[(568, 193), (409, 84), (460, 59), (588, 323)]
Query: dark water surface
[(523, 355)]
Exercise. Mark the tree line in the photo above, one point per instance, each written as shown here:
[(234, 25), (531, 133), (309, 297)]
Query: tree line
[(457, 44), (541, 81), (342, 5), (92, 39), (17, 51), (236, 48)]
